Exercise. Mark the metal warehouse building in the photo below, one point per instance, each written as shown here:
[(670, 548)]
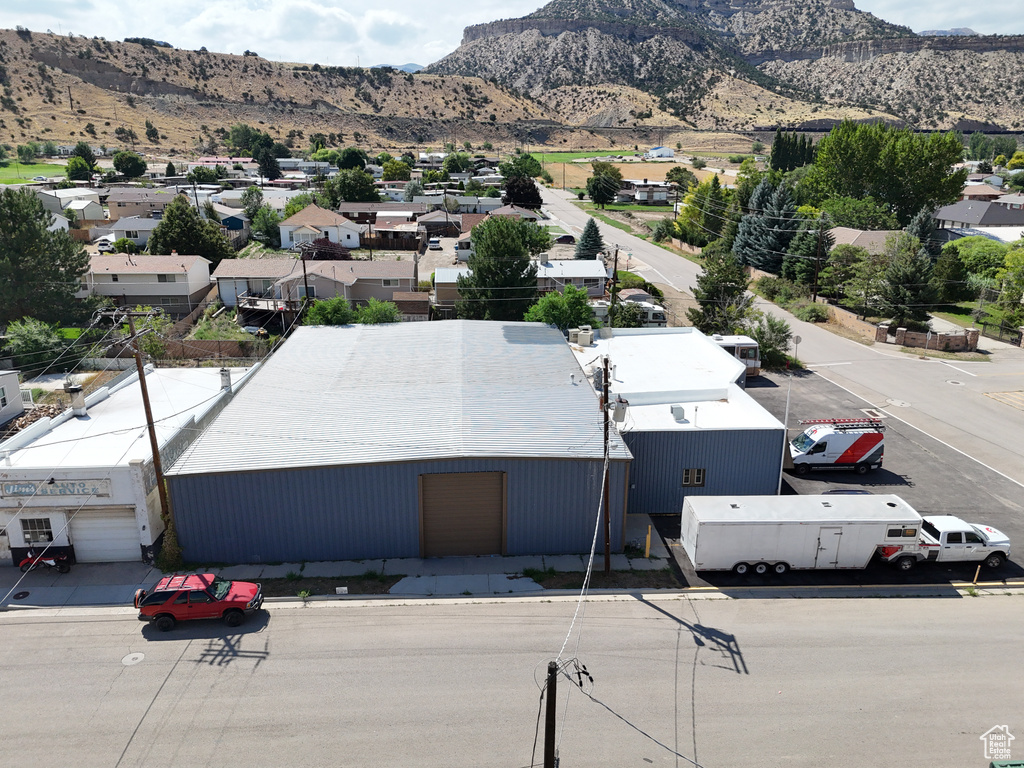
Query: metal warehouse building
[(405, 440), (691, 428)]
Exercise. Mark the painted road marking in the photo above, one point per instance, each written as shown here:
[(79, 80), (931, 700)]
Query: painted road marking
[(1012, 399)]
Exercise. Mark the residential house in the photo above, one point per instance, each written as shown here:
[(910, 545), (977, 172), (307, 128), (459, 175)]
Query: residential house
[(135, 201), (396, 233), (366, 213), (872, 241), (11, 405), (446, 288), (84, 211), (466, 203), (1014, 201), (275, 198), (279, 285), (590, 275), (307, 167), (59, 223), (971, 213), (515, 210), (314, 223), (56, 200), (982, 192), (174, 283), (644, 192), (415, 306), (134, 228)]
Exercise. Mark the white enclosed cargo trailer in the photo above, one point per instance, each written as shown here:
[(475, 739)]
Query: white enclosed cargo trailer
[(761, 534)]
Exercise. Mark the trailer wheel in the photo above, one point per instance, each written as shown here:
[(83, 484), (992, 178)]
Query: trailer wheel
[(862, 469), (802, 469), (741, 569), (994, 560), (761, 569), (781, 569), (906, 563)]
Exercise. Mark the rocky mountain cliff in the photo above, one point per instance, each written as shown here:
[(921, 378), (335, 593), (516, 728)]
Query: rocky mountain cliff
[(821, 52)]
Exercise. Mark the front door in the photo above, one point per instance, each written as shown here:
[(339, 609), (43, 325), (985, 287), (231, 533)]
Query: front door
[(828, 547), (201, 605), (960, 547)]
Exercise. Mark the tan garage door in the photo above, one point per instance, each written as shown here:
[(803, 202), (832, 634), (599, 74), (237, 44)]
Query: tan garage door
[(462, 513), (106, 535)]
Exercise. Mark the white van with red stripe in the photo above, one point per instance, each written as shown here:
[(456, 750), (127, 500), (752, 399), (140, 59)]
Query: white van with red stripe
[(838, 444)]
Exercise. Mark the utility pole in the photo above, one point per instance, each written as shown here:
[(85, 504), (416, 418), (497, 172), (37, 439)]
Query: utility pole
[(614, 292), (549, 718), (817, 261), (165, 509), (607, 475)]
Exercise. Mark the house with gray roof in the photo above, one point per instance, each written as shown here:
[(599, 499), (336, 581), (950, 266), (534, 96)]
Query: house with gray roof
[(134, 228), (972, 213)]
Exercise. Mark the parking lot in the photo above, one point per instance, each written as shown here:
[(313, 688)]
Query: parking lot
[(933, 477)]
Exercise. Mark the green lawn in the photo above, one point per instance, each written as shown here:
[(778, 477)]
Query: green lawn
[(568, 157), (556, 230), (16, 173), (961, 313), (587, 206)]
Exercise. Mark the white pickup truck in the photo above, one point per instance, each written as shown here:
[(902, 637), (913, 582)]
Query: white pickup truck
[(948, 539)]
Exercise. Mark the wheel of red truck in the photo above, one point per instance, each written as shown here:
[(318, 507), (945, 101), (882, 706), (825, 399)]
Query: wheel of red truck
[(780, 568), (165, 623), (761, 569), (906, 563), (741, 569), (802, 469), (234, 618), (994, 560), (862, 469)]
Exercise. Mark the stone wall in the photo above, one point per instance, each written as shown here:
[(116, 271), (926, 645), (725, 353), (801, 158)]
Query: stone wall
[(844, 318), (940, 342)]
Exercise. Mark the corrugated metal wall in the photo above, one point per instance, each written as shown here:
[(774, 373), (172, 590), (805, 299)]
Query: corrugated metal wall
[(372, 511), (736, 463)]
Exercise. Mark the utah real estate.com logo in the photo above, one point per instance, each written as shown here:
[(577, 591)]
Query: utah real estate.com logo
[(997, 742)]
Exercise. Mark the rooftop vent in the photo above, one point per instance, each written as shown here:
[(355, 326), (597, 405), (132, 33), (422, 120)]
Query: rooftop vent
[(678, 412), (77, 399)]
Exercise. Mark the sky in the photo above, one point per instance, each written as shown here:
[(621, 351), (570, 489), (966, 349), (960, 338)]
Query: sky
[(350, 33)]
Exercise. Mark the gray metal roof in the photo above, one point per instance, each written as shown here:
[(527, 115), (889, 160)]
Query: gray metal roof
[(407, 391)]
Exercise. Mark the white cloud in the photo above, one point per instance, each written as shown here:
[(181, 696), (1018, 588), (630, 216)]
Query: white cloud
[(344, 32)]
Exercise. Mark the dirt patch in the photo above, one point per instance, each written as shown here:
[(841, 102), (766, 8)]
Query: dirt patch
[(676, 303), (357, 585), (663, 579)]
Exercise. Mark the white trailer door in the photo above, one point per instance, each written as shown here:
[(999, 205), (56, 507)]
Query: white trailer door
[(828, 547)]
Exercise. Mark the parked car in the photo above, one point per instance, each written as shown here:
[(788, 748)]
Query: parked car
[(434, 244), (105, 246), (198, 596), (565, 240), (39, 178)]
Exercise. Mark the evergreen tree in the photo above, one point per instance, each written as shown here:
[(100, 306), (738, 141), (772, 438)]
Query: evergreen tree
[(712, 209), (412, 189), (907, 291), (807, 254), (39, 269), (269, 168), (751, 233), (777, 159), (922, 226), (950, 277), (171, 170), (522, 191), (730, 226), (590, 244), (721, 294), (502, 284), (780, 227), (183, 230)]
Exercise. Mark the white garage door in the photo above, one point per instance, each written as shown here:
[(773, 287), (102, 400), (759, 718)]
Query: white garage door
[(106, 536)]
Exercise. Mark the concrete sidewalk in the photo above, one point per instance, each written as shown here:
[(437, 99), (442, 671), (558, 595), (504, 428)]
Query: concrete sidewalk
[(115, 583)]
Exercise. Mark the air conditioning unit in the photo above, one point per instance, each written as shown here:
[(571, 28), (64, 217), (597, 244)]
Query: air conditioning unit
[(586, 337), (574, 335), (678, 413)]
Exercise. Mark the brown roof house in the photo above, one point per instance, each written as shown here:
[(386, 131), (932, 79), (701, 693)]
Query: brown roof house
[(174, 283), (315, 223), (871, 241)]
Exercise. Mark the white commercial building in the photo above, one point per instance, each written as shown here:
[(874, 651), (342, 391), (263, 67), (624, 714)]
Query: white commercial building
[(84, 482)]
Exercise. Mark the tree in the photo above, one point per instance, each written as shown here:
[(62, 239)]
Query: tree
[(1017, 161), (979, 147), (1004, 145), (352, 158), (412, 189), (626, 314), (859, 213), (84, 151), (950, 276), (124, 245), (252, 201), (201, 174), (681, 177), (922, 226), (170, 170), (502, 284), (906, 291), (522, 191), (808, 252), (520, 165), (377, 312), (351, 186), (903, 170), (982, 257), (26, 155), (457, 162), (267, 161), (335, 311), (49, 148), (723, 305), (78, 170), (265, 225), (570, 309), (1011, 278), (39, 270), (129, 164), (396, 170), (183, 230), (34, 345), (772, 335), (152, 133), (840, 268), (383, 157)]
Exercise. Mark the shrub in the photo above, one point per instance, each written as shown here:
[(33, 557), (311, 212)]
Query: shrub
[(812, 313)]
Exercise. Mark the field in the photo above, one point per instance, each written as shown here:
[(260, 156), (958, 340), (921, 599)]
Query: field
[(16, 173)]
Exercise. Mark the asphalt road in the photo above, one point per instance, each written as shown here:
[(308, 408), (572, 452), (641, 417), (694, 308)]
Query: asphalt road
[(978, 408), (726, 683)]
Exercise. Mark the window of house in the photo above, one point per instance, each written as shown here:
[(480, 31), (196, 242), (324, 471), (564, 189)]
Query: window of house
[(3, 397), (591, 282), (114, 278), (303, 294), (166, 278), (389, 282), (131, 235), (120, 204), (693, 478), (36, 530), (166, 301)]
